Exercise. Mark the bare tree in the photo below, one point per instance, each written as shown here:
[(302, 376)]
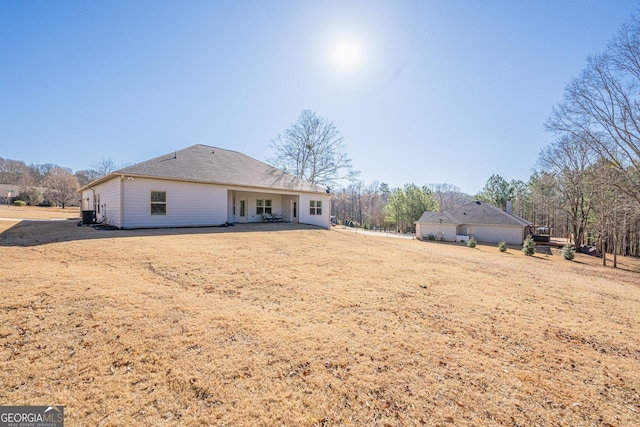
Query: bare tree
[(85, 176), (40, 172), (312, 149), (374, 199), (520, 198), (13, 172), (571, 162), (362, 204), (104, 166), (61, 186), (448, 196), (542, 190), (601, 107), (604, 202)]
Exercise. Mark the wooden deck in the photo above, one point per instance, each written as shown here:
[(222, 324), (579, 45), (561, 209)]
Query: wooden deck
[(558, 242), (554, 243)]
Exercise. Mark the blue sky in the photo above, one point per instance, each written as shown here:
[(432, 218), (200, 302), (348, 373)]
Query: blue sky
[(422, 91)]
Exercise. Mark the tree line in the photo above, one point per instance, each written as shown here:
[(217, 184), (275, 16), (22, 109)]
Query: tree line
[(48, 183), (379, 207), (565, 197), (594, 163)]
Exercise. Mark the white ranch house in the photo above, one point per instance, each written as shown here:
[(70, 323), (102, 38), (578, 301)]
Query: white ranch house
[(203, 186), (480, 220)]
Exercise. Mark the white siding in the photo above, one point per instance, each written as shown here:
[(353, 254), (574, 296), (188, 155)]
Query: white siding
[(108, 193), (192, 204), (230, 201), (188, 204), (87, 200), (445, 232), (320, 220), (495, 234), (482, 233)]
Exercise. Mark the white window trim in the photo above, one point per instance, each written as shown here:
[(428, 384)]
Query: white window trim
[(151, 203), (265, 204), (315, 207)]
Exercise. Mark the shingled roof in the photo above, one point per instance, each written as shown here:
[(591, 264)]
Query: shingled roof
[(477, 212), (203, 163), (438, 217)]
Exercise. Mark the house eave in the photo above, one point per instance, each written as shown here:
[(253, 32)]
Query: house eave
[(98, 181), (115, 175)]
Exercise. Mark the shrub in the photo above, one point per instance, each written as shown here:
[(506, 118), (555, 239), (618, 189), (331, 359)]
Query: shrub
[(529, 246), (31, 195), (472, 243), (430, 237), (502, 246), (20, 203), (568, 252)]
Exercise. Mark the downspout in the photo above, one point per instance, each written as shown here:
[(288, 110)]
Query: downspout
[(330, 212), (95, 215), (121, 201)]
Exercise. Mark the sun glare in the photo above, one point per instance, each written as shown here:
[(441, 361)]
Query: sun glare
[(346, 54)]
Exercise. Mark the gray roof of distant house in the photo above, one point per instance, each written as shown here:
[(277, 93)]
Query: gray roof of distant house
[(14, 188), (476, 213), (438, 217), (203, 163)]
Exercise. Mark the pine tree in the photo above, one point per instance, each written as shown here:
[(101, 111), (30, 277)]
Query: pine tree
[(529, 246)]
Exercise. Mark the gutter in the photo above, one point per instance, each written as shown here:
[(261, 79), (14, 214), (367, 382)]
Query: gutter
[(121, 201)]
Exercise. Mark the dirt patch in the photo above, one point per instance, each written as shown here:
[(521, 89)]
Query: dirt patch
[(285, 325)]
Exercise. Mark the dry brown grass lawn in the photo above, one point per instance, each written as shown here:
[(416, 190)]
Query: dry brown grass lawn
[(38, 212), (247, 326)]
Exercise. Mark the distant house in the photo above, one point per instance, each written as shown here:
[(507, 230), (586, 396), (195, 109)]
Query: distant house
[(9, 191), (480, 220), (202, 186), (16, 189)]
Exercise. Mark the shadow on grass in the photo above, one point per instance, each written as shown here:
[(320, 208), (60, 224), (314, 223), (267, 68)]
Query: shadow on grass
[(35, 233), (541, 257)]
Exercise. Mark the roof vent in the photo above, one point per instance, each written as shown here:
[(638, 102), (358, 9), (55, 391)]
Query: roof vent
[(478, 202)]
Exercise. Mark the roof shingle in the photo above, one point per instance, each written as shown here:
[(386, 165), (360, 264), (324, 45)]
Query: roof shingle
[(475, 213), (203, 163)]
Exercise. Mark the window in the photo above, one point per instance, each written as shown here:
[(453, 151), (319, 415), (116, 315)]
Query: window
[(263, 206), (315, 207), (158, 203)]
